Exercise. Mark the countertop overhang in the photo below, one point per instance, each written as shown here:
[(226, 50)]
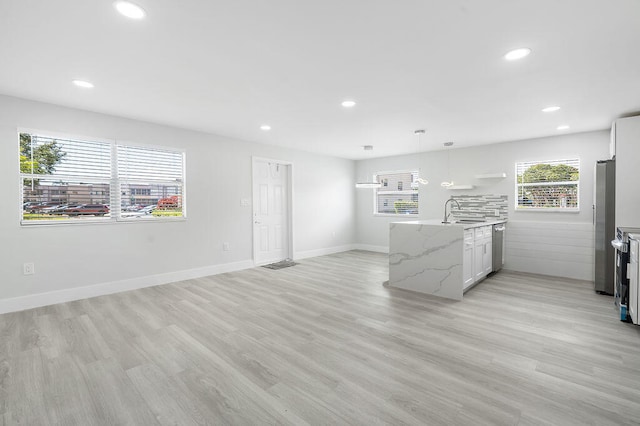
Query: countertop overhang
[(438, 222)]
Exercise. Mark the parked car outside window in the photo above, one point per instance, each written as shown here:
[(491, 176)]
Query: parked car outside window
[(88, 209)]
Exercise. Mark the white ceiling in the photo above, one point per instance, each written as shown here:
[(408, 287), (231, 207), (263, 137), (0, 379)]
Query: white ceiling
[(227, 67)]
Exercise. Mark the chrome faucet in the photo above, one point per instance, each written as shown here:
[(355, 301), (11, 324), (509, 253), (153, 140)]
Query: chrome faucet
[(446, 216)]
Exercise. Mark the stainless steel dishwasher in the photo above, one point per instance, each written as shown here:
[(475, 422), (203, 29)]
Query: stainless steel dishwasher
[(498, 246)]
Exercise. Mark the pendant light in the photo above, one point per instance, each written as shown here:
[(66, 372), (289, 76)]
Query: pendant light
[(420, 180), (368, 184), (447, 184)]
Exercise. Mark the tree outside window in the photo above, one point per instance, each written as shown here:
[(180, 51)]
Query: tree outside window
[(548, 185)]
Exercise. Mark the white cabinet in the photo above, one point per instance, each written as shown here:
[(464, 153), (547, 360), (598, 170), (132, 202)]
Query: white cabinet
[(487, 256), (478, 261), (467, 259), (633, 280), (627, 150), (477, 254)]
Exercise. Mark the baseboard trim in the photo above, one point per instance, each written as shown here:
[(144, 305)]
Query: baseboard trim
[(322, 252), (368, 247), (22, 303)]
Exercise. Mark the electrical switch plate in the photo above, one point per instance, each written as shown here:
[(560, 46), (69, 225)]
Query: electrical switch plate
[(28, 268), (496, 212), (225, 246)]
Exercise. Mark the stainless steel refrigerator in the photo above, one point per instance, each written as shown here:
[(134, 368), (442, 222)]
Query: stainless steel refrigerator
[(604, 223)]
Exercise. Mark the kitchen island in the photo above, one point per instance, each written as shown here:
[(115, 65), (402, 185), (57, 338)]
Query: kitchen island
[(437, 258)]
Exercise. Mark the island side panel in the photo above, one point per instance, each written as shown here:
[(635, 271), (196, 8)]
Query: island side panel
[(426, 258)]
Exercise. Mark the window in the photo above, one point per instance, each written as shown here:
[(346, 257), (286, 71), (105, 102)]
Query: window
[(66, 180), (548, 185), (149, 177), (400, 201)]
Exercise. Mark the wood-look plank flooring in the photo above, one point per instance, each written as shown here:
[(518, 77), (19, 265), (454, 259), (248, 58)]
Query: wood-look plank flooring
[(320, 343)]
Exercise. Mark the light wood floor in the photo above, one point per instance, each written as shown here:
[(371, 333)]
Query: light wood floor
[(323, 343)]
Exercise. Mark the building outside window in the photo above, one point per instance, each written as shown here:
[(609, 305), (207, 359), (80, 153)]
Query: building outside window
[(400, 201), (64, 180), (548, 185)]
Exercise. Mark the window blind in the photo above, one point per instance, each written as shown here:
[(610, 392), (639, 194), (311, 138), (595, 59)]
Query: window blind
[(150, 178), (69, 180), (89, 160), (149, 164), (548, 185), (398, 193)]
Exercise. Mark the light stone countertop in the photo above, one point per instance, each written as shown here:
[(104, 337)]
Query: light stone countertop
[(438, 222), (427, 256)]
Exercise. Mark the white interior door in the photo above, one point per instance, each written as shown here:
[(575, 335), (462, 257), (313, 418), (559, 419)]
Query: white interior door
[(271, 211)]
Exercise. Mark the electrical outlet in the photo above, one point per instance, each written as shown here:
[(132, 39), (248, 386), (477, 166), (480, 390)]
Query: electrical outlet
[(225, 246), (245, 202), (29, 268)]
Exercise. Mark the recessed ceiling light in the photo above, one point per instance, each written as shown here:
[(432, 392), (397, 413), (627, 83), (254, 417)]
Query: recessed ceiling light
[(348, 104), (130, 10), (516, 54), (265, 127), (83, 84), (550, 108), (563, 127)]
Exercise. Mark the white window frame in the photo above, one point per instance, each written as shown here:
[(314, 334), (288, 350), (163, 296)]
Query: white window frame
[(118, 183), (519, 208), (114, 182), (377, 191)]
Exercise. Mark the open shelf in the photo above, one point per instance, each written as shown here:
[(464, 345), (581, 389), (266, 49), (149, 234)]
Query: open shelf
[(492, 176), (461, 187)]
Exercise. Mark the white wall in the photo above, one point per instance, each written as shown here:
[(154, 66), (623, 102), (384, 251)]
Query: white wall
[(120, 256), (543, 252), (628, 172)]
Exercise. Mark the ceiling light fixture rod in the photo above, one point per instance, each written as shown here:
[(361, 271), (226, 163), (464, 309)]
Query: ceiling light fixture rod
[(371, 184), (448, 183), (420, 179)]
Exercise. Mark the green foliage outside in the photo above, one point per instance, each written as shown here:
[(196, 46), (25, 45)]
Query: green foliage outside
[(42, 161), (405, 207), (37, 216), (167, 213), (549, 173), (45, 156), (549, 196)]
